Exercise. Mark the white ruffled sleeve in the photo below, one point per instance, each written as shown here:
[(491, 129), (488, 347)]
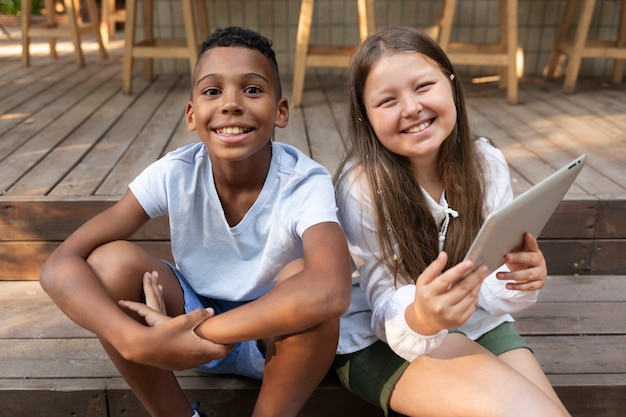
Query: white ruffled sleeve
[(388, 304), (497, 300)]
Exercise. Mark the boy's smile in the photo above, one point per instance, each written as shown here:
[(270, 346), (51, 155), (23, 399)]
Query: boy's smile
[(235, 103)]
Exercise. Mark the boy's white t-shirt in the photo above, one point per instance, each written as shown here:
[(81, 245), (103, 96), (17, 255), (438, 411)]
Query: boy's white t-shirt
[(237, 263)]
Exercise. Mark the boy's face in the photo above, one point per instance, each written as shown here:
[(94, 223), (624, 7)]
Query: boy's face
[(235, 104)]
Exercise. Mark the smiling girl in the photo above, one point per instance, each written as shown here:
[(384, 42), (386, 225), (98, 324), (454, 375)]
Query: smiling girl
[(412, 193)]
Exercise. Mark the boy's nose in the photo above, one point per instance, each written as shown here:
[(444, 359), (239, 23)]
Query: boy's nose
[(231, 107), (231, 103)]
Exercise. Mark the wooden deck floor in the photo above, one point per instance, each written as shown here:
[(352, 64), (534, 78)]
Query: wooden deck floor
[(70, 141), (66, 131)]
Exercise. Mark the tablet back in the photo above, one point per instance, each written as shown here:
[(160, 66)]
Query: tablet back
[(503, 230)]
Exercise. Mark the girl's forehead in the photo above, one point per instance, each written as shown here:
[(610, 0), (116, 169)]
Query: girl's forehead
[(401, 57)]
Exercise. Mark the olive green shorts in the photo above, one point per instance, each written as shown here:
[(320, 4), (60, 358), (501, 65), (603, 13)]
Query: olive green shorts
[(373, 372)]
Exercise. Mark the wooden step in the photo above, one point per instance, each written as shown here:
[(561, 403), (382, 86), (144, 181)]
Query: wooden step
[(51, 366), (584, 236)]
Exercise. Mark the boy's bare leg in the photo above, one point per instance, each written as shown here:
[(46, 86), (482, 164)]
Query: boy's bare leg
[(120, 267), (295, 364)]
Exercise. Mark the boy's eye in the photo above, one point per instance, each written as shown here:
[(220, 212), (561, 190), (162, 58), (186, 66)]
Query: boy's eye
[(211, 91), (253, 89)]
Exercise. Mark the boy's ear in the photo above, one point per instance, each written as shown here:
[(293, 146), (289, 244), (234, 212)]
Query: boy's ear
[(282, 113), (191, 122)]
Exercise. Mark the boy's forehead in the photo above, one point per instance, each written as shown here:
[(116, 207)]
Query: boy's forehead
[(234, 59)]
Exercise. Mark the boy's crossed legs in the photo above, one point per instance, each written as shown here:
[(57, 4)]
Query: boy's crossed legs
[(295, 363)]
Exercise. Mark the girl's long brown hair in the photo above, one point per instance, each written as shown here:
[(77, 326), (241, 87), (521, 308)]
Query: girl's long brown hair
[(401, 210)]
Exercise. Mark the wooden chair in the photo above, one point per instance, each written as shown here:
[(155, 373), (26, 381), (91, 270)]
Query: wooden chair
[(75, 28), (151, 47), (502, 54), (308, 55), (579, 47), (110, 16)]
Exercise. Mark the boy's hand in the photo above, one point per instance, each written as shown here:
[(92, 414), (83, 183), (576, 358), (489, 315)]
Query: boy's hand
[(528, 267), (193, 350), (153, 311), (444, 301)]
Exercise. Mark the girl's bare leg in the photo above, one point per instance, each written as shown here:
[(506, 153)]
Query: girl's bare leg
[(524, 362), (461, 378), (120, 267)]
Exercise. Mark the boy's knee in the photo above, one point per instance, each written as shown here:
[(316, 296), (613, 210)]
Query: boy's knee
[(115, 264)]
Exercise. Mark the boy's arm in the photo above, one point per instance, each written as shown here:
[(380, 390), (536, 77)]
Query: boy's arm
[(72, 284), (321, 291)]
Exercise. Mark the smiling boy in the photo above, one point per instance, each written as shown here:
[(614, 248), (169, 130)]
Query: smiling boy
[(262, 271)]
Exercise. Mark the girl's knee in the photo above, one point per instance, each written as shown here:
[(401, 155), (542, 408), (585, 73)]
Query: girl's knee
[(290, 270)]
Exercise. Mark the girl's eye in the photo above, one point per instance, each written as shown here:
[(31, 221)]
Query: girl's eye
[(423, 86), (386, 101), (252, 90)]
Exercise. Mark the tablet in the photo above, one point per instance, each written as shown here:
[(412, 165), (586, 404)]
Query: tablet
[(503, 230)]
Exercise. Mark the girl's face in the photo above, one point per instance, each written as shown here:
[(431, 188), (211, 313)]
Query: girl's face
[(410, 104)]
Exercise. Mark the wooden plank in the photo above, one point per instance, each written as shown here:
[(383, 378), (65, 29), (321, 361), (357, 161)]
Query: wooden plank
[(582, 134), (609, 256), (53, 397), (23, 260), (26, 156), (234, 397), (47, 219), (46, 94), (327, 147), (153, 137), (572, 219), (582, 288), (572, 318), (54, 118), (611, 221), (568, 257), (592, 400), (28, 313), (585, 354)]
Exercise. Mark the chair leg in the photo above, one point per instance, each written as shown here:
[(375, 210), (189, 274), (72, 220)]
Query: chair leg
[(561, 37), (302, 47), (129, 41), (70, 8), (190, 32), (25, 23), (94, 21), (618, 64), (580, 38), (510, 27)]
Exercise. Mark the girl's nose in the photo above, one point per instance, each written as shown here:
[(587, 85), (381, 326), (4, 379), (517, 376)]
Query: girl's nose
[(411, 105)]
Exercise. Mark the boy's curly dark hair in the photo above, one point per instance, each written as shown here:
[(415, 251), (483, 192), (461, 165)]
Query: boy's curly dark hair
[(245, 38)]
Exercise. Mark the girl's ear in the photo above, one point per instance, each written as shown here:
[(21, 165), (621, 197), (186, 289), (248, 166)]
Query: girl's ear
[(282, 113), (451, 77), (191, 122)]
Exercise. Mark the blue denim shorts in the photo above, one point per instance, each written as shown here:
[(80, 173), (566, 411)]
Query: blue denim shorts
[(245, 359)]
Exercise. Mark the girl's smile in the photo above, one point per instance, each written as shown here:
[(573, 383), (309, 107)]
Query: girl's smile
[(410, 104)]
